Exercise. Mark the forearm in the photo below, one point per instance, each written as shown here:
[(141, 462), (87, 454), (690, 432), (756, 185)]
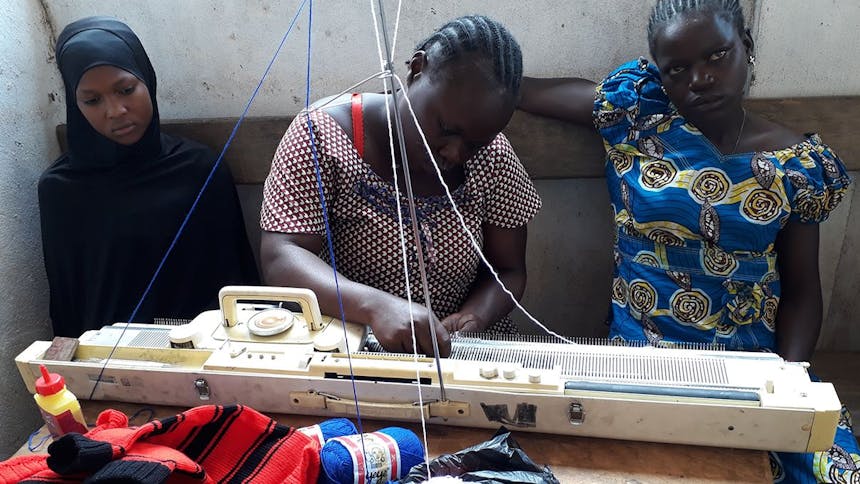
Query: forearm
[(798, 324), (798, 319), (488, 300), (297, 267), (568, 99)]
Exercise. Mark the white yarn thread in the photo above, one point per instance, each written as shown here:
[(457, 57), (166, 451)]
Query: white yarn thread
[(463, 221), (402, 231)]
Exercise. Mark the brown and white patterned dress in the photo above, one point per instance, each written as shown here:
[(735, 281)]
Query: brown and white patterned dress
[(363, 212)]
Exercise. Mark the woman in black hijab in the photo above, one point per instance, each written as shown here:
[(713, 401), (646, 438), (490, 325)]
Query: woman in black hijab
[(111, 206)]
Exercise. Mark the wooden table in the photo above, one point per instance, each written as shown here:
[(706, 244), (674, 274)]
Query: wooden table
[(572, 459)]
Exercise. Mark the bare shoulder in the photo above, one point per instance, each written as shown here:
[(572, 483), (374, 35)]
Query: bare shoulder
[(338, 108), (766, 135)]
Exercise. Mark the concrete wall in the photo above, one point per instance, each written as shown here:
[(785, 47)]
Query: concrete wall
[(793, 42), (198, 81), (209, 56), (799, 46), (29, 109)]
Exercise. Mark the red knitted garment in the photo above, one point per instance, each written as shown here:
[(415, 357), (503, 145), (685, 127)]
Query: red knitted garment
[(204, 444)]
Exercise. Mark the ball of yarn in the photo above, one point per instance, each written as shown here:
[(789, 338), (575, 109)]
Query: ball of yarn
[(336, 427), (390, 453), (329, 429)]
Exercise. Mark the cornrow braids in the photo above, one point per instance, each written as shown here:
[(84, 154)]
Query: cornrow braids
[(666, 10), (483, 36)]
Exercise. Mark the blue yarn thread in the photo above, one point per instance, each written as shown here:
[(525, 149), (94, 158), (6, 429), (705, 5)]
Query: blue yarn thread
[(35, 447), (199, 194), (147, 410), (336, 459), (328, 236), (329, 429)]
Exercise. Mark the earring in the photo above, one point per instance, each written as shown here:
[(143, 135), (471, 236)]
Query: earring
[(751, 79)]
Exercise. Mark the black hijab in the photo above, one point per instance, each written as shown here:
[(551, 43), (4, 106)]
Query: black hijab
[(109, 211), (93, 42)]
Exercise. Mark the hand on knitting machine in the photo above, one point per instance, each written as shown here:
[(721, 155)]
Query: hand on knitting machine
[(464, 322), (390, 321)]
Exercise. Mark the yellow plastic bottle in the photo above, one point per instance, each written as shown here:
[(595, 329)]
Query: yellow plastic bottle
[(58, 406)]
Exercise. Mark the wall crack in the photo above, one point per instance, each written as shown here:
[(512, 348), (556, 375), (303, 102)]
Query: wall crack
[(49, 24)]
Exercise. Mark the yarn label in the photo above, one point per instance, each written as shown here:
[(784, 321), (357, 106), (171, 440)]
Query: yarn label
[(314, 432), (381, 462)]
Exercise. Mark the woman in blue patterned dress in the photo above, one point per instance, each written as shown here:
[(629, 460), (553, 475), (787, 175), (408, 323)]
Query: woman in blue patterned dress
[(716, 209)]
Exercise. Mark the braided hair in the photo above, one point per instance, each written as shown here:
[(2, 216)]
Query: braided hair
[(666, 10), (477, 34)]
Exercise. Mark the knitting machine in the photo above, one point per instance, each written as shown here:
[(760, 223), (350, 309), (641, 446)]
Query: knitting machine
[(255, 352)]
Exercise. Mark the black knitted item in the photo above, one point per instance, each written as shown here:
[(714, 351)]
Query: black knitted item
[(130, 472), (74, 453)]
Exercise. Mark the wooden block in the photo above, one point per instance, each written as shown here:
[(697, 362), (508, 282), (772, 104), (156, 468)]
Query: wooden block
[(62, 349)]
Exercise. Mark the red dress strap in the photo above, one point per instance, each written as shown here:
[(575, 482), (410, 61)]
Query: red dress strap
[(357, 124)]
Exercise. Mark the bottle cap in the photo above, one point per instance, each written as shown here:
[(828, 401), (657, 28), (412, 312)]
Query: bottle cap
[(49, 383)]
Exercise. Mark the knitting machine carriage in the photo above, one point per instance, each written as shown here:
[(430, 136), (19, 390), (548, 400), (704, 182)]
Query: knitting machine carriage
[(274, 360)]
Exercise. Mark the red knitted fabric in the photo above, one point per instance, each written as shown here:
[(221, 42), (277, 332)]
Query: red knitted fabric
[(204, 444)]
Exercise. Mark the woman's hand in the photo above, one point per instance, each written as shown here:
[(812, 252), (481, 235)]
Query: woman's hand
[(390, 321), (290, 260), (465, 322), (487, 302)]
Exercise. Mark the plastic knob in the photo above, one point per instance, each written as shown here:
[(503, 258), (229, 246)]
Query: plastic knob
[(489, 372)]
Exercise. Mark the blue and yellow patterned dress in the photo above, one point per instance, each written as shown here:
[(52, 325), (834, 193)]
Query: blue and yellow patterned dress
[(694, 255)]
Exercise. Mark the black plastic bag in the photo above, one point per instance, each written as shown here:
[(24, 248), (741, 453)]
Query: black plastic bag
[(497, 461)]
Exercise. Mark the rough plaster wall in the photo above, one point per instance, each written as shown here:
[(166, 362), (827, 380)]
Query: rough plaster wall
[(210, 55), (807, 48), (569, 258), (27, 117)]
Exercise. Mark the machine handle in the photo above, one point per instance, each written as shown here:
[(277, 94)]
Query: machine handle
[(396, 410), (229, 296)]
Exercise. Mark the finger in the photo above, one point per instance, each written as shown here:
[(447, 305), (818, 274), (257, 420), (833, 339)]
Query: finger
[(451, 324), (425, 341), (441, 333), (444, 339)]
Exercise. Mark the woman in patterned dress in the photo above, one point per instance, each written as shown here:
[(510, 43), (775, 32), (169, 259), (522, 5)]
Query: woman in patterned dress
[(716, 208), (463, 84)]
